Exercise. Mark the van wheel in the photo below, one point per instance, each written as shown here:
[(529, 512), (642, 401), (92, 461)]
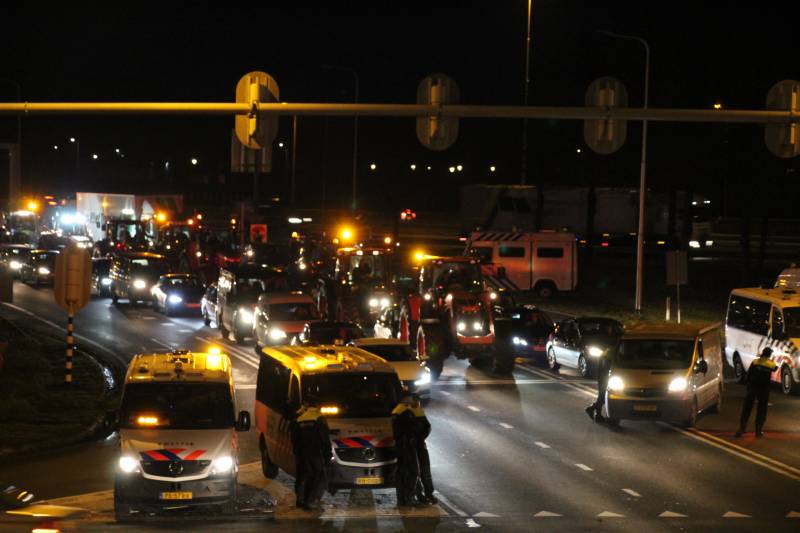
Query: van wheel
[(738, 369), (268, 468), (545, 289), (788, 384), (551, 360)]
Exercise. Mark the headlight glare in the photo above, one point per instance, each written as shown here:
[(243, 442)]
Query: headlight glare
[(44, 271), (139, 284), (373, 302), (678, 385), (385, 302), (105, 281), (222, 464), (596, 351), (246, 316), (277, 334), (424, 379), (128, 464), (15, 265), (174, 299), (615, 384), (461, 326), (477, 326)]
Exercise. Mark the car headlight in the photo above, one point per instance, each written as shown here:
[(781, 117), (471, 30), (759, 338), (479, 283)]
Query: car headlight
[(385, 302), (44, 271), (694, 244), (105, 281), (596, 351), (277, 334), (424, 379), (427, 297), (678, 385), (222, 464), (477, 326), (174, 299), (493, 295), (128, 464), (615, 383), (246, 316), (139, 284), (198, 254), (373, 302), (15, 265), (519, 342), (461, 326)]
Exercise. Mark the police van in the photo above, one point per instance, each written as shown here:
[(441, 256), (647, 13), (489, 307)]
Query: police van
[(355, 390), (758, 318), (543, 261), (177, 434)]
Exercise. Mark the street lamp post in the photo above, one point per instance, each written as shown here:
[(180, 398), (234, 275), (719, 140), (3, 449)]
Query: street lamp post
[(355, 125), (524, 173), (642, 169)]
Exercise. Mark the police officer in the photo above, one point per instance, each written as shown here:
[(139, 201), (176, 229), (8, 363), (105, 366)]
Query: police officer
[(312, 453), (422, 428), (758, 379), (403, 428), (594, 410)]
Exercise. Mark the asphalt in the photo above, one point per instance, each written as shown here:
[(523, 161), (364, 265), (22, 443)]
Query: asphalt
[(508, 454)]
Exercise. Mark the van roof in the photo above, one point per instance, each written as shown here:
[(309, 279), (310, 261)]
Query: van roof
[(179, 365), (667, 331), (327, 359), (781, 297)]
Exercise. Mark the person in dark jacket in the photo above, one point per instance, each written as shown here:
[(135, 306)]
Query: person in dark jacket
[(759, 380), (422, 428), (406, 448), (312, 453), (594, 410)]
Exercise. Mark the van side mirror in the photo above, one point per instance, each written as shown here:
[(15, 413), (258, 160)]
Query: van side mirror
[(701, 367), (243, 423)]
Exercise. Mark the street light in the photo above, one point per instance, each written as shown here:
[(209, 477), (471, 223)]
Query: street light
[(642, 168), (194, 161), (355, 124)]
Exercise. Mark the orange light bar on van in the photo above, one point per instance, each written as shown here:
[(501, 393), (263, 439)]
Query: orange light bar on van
[(147, 420), (329, 410)]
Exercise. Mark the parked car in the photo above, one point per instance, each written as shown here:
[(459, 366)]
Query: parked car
[(412, 372), (329, 332), (208, 304), (101, 277), (175, 293), (40, 268), (134, 274), (281, 316), (577, 342)]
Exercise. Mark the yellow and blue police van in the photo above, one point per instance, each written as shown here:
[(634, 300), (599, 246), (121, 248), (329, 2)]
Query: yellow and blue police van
[(177, 435), (354, 390)]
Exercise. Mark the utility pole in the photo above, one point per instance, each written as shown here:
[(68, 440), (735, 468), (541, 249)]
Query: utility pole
[(524, 172)]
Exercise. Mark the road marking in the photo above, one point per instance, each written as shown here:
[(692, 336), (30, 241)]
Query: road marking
[(473, 408), (165, 345), (114, 354), (472, 523), (733, 514), (609, 514), (447, 503), (546, 514), (578, 386), (167, 324), (248, 386), (507, 426), (793, 514), (185, 331), (445, 393), (583, 467), (541, 445), (485, 515), (148, 318), (670, 514), (632, 493)]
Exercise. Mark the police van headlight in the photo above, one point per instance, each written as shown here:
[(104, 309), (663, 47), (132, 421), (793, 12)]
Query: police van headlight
[(128, 464), (15, 265), (277, 334), (245, 316), (44, 271), (174, 299), (222, 464), (596, 351), (424, 379), (105, 281), (139, 284), (678, 385), (373, 302), (616, 384)]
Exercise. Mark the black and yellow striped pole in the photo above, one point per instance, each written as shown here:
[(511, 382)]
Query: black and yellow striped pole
[(70, 346), (71, 292)]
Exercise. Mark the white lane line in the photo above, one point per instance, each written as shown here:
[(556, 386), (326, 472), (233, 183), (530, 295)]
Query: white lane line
[(165, 345), (541, 445), (167, 324), (609, 514), (249, 386), (484, 514), (148, 318), (546, 514), (472, 523), (185, 331), (670, 514), (734, 514), (445, 393), (97, 345), (473, 408), (583, 467), (507, 426), (632, 493), (450, 505)]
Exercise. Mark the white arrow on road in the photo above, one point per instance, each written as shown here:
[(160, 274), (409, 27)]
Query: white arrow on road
[(670, 514), (732, 514)]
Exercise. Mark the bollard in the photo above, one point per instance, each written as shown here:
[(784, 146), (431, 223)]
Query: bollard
[(70, 347)]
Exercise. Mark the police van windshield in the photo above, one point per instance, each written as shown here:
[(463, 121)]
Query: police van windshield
[(391, 352), (296, 311), (655, 354), (356, 395), (791, 317), (177, 406)]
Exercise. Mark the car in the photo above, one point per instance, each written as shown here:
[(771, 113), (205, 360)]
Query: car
[(40, 268), (525, 330), (238, 289), (53, 241), (14, 256), (174, 293), (134, 274), (328, 332), (413, 373), (280, 317), (101, 280), (576, 342), (208, 304)]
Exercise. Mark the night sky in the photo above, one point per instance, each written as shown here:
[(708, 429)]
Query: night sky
[(699, 56)]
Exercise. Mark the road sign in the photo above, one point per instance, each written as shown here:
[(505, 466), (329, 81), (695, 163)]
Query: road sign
[(434, 131), (73, 278), (252, 130), (605, 136), (783, 140), (677, 271)]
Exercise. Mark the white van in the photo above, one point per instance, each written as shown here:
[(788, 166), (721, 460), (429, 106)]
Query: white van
[(177, 434), (765, 317), (543, 261)]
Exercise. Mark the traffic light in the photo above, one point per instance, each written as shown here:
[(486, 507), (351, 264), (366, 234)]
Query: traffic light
[(407, 214)]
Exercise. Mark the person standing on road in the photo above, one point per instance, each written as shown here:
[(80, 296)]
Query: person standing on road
[(759, 380), (312, 453), (594, 410), (422, 428), (405, 442)]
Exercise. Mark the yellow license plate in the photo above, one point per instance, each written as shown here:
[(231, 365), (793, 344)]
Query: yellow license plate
[(175, 496), (369, 480), (648, 408)]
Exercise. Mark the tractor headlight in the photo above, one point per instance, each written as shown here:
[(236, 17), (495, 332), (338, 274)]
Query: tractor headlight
[(128, 464), (105, 281), (461, 326), (616, 384), (678, 385), (44, 271), (139, 284), (277, 334), (519, 342), (477, 325), (596, 351), (15, 265), (373, 302), (174, 299), (222, 464), (245, 316), (385, 302)]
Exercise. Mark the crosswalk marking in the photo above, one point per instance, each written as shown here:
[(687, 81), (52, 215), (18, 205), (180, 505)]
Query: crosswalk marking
[(445, 393), (632, 493), (185, 330), (168, 324)]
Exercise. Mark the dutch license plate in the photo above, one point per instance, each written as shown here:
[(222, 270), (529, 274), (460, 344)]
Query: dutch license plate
[(376, 480), (175, 496), (647, 408)]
